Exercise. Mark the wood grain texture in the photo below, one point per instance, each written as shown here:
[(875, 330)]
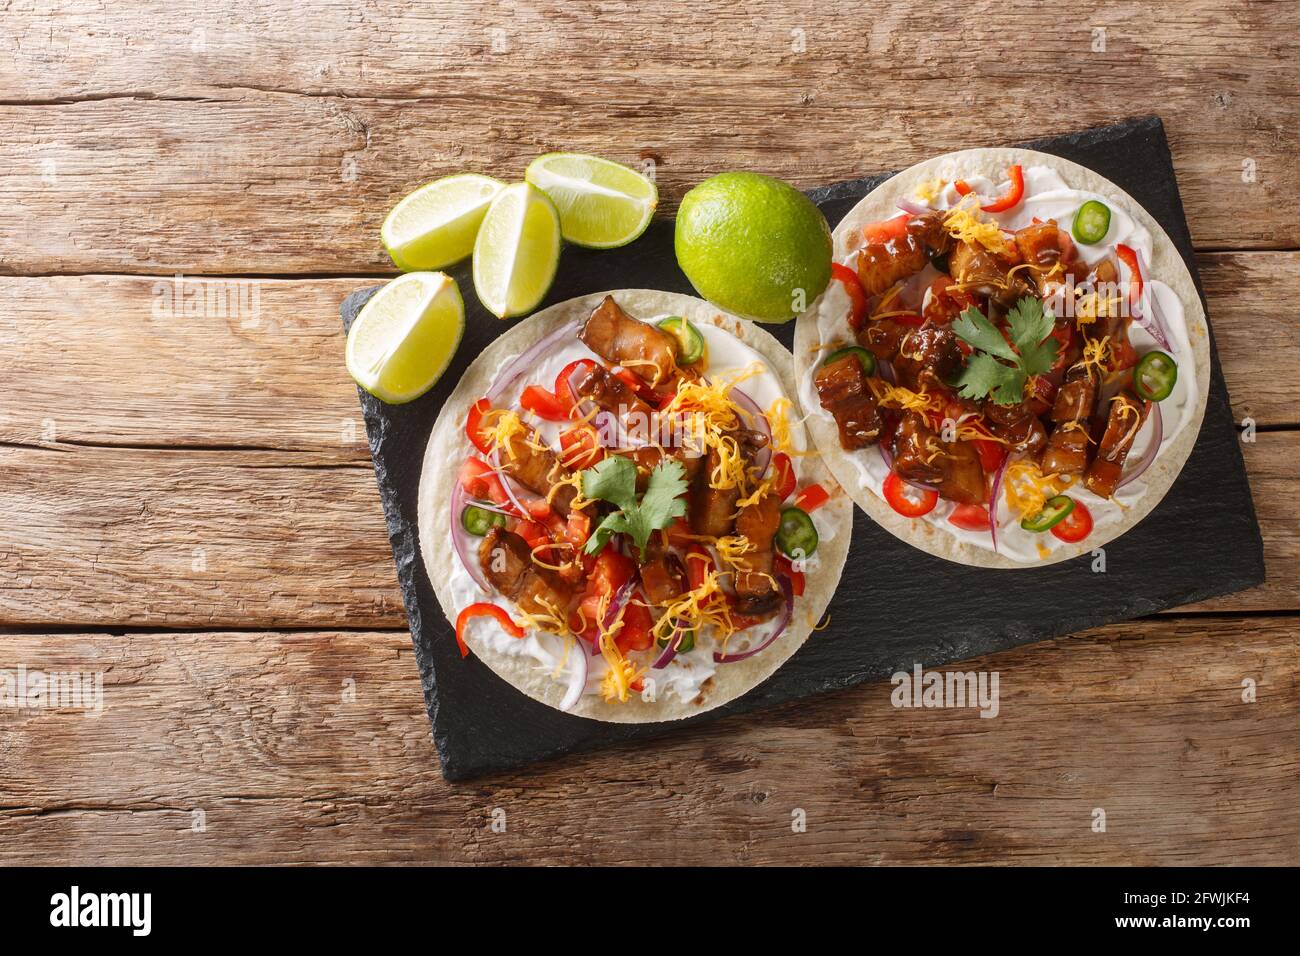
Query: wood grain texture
[(172, 485), (275, 139), (155, 538), (1145, 721)]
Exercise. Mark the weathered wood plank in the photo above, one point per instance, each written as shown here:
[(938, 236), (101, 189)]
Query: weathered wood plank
[(157, 538), (243, 178), (1145, 721), (259, 363)]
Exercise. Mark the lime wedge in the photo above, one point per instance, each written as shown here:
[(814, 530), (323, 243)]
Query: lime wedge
[(436, 225), (602, 204), (517, 251), (404, 337)]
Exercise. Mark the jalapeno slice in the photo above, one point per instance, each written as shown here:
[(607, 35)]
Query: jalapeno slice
[(797, 535), (690, 343), (1053, 513), (866, 358), (1091, 222), (479, 521), (685, 643), (1154, 376)]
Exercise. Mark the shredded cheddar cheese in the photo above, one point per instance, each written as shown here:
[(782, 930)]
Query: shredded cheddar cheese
[(1027, 488), (896, 396), (964, 225)]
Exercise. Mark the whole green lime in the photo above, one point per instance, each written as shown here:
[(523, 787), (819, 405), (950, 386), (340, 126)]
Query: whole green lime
[(753, 245)]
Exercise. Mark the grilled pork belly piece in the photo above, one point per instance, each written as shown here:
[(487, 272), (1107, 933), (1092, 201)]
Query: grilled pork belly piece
[(756, 592), (1017, 425), (662, 576), (927, 357), (843, 391), (507, 563), (1122, 425), (1067, 449), (881, 264), (984, 272), (712, 511), (647, 351), (952, 467), (882, 337), (526, 459)]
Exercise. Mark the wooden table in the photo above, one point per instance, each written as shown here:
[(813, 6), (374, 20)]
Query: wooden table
[(189, 507)]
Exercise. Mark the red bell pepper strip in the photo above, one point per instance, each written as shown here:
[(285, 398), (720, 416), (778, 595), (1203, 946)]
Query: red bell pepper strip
[(473, 423), (811, 498), (543, 404), (483, 609), (783, 469), (1130, 259), (857, 295), (1011, 198)]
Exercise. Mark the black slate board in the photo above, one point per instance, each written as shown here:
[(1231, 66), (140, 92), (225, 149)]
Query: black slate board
[(895, 606)]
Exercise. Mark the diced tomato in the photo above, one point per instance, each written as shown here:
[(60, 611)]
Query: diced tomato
[(991, 453), (483, 609), (532, 532), (563, 391), (698, 564), (1122, 353), (811, 497), (481, 482), (1076, 526), (635, 634), (911, 320), (577, 529), (970, 517), (797, 579), (783, 471), (580, 447), (884, 231), (908, 500), (543, 404), (1011, 198), (473, 423), (857, 295)]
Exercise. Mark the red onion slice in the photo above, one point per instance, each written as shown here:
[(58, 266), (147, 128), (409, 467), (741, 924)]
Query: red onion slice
[(460, 539), (615, 605), (1156, 325), (577, 677), (913, 208), (787, 612), (764, 455), (993, 500), (507, 376), (1157, 436), (670, 651)]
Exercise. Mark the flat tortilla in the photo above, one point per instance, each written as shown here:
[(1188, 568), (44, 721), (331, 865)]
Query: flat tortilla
[(448, 446), (1166, 265)]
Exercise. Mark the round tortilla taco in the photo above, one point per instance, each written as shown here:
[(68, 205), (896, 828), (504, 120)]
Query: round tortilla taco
[(1005, 406), (584, 628)]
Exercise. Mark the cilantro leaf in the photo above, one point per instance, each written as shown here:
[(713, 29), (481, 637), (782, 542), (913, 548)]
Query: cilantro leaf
[(1031, 351), (985, 375), (611, 479), (982, 334), (615, 483)]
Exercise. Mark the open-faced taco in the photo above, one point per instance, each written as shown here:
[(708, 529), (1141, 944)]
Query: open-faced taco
[(1013, 366), (618, 512)]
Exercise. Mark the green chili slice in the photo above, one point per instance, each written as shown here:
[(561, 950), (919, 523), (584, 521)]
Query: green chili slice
[(866, 358), (797, 535), (1053, 513), (1154, 376), (479, 521), (1091, 222), (689, 340)]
